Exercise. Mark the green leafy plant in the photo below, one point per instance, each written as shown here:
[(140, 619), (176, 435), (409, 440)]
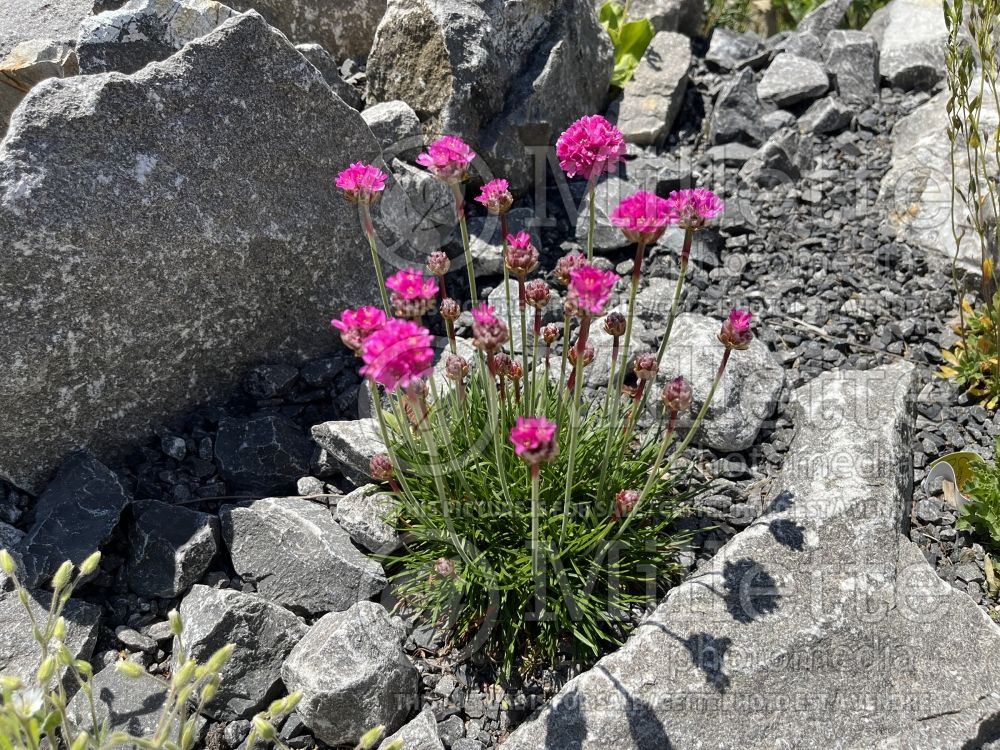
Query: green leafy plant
[(34, 715), (630, 39)]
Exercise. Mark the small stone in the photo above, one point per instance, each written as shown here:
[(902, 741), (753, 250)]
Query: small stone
[(310, 487), (350, 445), (852, 59), (446, 686), (135, 641), (653, 97), (729, 48), (451, 730), (467, 744), (396, 127), (927, 511), (737, 112), (174, 446), (774, 163), (828, 115), (419, 734), (791, 79), (235, 732), (30, 63), (969, 572), (366, 514)]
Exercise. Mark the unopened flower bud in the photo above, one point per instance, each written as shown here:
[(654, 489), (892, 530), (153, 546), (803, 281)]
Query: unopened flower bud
[(174, 619), (550, 334), (456, 367), (7, 562), (567, 264), (515, 371), (625, 501), (444, 567), (614, 324), (438, 263), (380, 467), (521, 256), (89, 565), (588, 355), (450, 309), (736, 333), (645, 366), (263, 728), (537, 293), (502, 363), (62, 576), (677, 395), (129, 669)]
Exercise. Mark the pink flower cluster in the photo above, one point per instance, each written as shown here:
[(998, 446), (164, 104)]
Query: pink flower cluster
[(590, 147), (736, 333), (412, 294), (357, 325), (642, 217), (361, 182), (590, 289), (495, 195), (398, 355), (693, 208), (534, 440), (448, 159)]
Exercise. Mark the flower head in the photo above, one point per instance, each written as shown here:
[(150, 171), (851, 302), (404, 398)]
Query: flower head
[(380, 467), (567, 264), (537, 293), (642, 217), (677, 395), (534, 440), (588, 354), (438, 263), (590, 147), (692, 208), (515, 371), (625, 501), (412, 294), (362, 182), (448, 159), (495, 195), (589, 290), (357, 325), (488, 331), (736, 333), (450, 309), (456, 367), (444, 567), (521, 257), (645, 366), (501, 364), (399, 354), (550, 334), (614, 324)]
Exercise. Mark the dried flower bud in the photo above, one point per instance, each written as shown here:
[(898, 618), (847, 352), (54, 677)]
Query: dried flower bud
[(380, 467), (537, 293), (588, 355), (444, 567), (567, 264), (456, 367), (645, 366), (438, 263), (625, 501), (677, 395), (614, 324), (550, 334), (736, 333), (450, 309)]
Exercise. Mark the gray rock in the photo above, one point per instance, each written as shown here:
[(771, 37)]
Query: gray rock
[(912, 37), (822, 20), (419, 734), (147, 361), (170, 548), (888, 626), (728, 48), (653, 97), (144, 31), (685, 16), (747, 395), (852, 59), (551, 313), (419, 208), (367, 515), (19, 653), (774, 121), (327, 66), (262, 454), (74, 516), (396, 127), (263, 633), (826, 115), (350, 445), (30, 63), (310, 486), (737, 112), (774, 163), (135, 641), (508, 82), (344, 27), (235, 732), (297, 555), (802, 44), (353, 674), (25, 20), (791, 79), (731, 154)]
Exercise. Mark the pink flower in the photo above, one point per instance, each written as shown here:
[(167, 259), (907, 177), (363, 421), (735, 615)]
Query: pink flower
[(692, 208), (590, 289), (625, 501), (677, 395), (448, 159), (642, 217), (361, 182), (412, 294), (489, 333), (495, 195), (567, 264), (357, 325), (645, 366), (735, 333), (537, 293), (438, 263), (534, 440), (398, 355), (521, 257), (380, 467), (589, 147)]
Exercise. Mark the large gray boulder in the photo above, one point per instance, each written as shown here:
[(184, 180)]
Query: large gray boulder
[(74, 516), (155, 321), (28, 64), (508, 77), (353, 674), (23, 20), (325, 64), (143, 31), (263, 633), (821, 616), (653, 97), (344, 27), (912, 37), (791, 79), (298, 555)]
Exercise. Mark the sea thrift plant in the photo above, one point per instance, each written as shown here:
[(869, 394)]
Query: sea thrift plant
[(535, 513), (363, 184)]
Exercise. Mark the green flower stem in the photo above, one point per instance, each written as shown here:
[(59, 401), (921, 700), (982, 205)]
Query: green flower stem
[(562, 367), (456, 189), (675, 305), (506, 273), (485, 370), (397, 467), (523, 304), (369, 229), (592, 199), (450, 328), (535, 513), (574, 416), (534, 358)]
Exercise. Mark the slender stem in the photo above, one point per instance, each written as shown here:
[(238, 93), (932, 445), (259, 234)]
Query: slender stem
[(456, 189), (535, 513), (592, 190), (534, 358), (562, 366), (450, 327), (574, 430), (369, 229), (523, 304), (703, 411)]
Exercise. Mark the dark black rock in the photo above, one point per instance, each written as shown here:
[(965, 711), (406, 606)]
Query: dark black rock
[(262, 454), (738, 112), (270, 381)]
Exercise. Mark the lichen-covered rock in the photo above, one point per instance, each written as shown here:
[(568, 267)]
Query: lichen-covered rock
[(507, 76), (113, 326), (24, 20), (353, 674), (263, 633), (143, 31), (653, 97), (298, 555), (28, 64)]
